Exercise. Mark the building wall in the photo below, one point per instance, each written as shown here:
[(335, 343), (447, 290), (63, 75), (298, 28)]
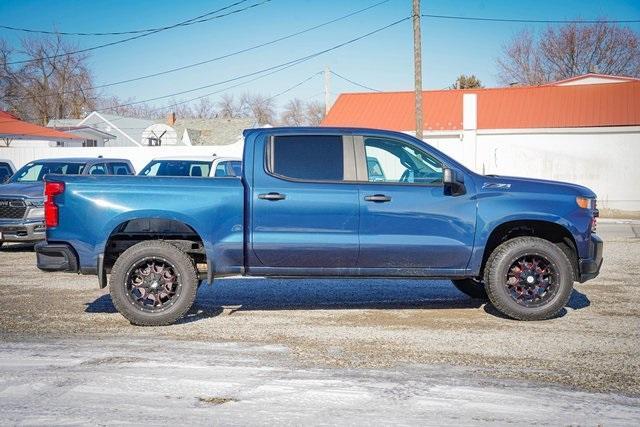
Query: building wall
[(603, 159)]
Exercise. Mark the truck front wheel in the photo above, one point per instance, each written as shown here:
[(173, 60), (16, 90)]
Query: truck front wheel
[(153, 283), (528, 278)]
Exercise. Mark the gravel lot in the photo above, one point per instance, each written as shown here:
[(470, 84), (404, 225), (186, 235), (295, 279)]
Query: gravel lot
[(401, 351)]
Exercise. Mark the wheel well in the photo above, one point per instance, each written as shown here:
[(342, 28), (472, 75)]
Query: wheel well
[(550, 231), (138, 230)]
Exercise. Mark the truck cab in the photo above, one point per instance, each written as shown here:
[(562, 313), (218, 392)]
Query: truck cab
[(312, 202)]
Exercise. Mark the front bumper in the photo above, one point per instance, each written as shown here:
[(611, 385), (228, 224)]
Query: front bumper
[(56, 257), (589, 268), (25, 232)]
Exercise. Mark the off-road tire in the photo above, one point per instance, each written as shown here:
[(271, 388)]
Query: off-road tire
[(180, 261), (500, 261), (471, 288)]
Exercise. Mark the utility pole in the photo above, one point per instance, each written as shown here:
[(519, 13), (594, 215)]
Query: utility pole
[(417, 60), (327, 89)]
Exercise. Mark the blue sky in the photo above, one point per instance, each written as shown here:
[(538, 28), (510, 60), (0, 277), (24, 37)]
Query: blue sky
[(383, 61)]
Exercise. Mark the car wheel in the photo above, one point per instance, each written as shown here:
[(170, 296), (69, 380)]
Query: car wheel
[(471, 287), (153, 283), (528, 278)]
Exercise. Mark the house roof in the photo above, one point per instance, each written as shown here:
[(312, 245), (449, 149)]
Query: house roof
[(212, 131), (13, 127), (591, 76), (611, 104), (86, 129), (129, 128)]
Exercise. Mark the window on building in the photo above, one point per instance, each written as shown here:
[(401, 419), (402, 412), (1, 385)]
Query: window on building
[(307, 157), (90, 143), (389, 160)]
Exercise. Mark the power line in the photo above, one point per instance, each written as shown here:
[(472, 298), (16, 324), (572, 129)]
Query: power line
[(294, 86), (265, 72), (354, 83), (218, 58), (139, 36), (293, 62), (191, 21), (533, 21)]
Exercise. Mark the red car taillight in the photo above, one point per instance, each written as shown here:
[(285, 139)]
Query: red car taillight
[(51, 189)]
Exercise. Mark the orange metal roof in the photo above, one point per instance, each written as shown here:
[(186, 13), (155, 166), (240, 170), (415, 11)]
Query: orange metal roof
[(609, 104), (12, 127)]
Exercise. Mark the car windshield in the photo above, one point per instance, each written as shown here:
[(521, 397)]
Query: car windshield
[(177, 168), (36, 171)]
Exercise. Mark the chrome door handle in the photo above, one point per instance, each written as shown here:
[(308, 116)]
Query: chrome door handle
[(378, 198), (272, 196)]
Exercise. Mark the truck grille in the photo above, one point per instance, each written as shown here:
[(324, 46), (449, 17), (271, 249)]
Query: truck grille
[(12, 209)]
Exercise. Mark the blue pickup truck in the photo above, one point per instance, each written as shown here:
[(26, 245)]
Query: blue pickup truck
[(306, 205)]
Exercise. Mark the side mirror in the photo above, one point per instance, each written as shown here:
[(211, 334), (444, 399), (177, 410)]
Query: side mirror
[(453, 182)]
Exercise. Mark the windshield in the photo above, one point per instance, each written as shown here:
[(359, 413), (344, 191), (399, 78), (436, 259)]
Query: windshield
[(177, 168), (36, 171)]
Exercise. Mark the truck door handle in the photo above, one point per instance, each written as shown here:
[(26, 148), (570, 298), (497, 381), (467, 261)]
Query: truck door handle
[(378, 198), (272, 196)]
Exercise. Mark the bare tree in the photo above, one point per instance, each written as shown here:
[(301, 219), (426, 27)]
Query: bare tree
[(466, 82), (204, 109), (294, 113), (227, 107), (259, 108), (51, 84), (128, 107), (568, 51), (314, 113)]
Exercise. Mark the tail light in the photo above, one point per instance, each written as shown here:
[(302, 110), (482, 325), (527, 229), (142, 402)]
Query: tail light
[(51, 189)]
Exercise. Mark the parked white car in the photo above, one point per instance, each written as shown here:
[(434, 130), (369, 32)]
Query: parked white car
[(6, 170), (193, 166)]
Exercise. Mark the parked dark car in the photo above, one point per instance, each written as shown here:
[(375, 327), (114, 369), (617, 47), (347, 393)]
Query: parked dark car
[(22, 197)]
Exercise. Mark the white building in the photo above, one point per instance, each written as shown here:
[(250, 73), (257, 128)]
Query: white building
[(584, 130)]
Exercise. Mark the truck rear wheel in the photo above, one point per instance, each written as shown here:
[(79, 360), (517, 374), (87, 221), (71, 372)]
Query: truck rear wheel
[(528, 278), (153, 283), (471, 287)]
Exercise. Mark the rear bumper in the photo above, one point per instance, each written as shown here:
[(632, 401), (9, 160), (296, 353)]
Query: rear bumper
[(56, 257), (589, 268), (26, 232)]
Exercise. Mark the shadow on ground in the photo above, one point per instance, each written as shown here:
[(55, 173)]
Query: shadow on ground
[(16, 247), (327, 294)]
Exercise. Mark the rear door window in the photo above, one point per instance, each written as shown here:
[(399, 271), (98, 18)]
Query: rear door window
[(120, 169), (98, 169), (228, 168), (307, 157)]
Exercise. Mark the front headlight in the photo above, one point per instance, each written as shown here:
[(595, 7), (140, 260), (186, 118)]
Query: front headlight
[(585, 202), (36, 213)]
